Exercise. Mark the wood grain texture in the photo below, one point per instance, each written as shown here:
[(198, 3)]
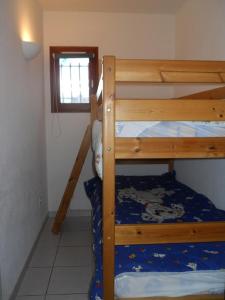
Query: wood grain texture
[(157, 71), (169, 233), (133, 148), (108, 177), (218, 93), (190, 77), (156, 148), (223, 76), (170, 110)]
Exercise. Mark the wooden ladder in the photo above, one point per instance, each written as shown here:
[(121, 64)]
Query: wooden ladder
[(72, 182)]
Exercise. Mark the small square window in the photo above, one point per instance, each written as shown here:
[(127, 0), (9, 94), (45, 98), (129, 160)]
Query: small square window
[(74, 77)]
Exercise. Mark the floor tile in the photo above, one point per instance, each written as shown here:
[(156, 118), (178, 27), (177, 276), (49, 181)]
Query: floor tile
[(47, 237), (72, 272), (80, 238), (74, 257), (76, 224), (43, 256), (70, 280), (68, 297), (35, 281), (30, 298)]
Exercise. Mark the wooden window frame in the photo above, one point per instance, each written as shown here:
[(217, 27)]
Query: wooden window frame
[(56, 105)]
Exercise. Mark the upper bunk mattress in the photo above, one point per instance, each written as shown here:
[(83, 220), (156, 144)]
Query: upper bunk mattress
[(154, 129), (170, 129), (158, 270)]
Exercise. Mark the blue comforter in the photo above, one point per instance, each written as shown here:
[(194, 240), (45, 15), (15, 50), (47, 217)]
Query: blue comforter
[(155, 199)]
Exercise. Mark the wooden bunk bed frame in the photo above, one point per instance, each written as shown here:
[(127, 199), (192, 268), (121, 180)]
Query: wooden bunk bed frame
[(196, 108), (203, 106)]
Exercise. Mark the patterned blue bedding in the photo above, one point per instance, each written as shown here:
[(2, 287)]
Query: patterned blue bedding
[(155, 199)]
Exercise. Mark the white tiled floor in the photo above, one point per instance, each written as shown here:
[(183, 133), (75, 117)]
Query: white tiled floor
[(61, 266)]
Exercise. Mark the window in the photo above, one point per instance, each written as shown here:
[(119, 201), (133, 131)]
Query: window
[(74, 77)]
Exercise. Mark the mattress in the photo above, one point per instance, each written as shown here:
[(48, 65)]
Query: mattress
[(158, 270), (154, 129)]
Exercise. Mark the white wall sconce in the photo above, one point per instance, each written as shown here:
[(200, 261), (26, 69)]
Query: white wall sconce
[(30, 49)]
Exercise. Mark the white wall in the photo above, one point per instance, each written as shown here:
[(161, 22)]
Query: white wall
[(22, 154), (200, 31), (123, 35)]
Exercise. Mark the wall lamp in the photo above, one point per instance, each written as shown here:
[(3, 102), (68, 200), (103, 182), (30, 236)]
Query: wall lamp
[(30, 49)]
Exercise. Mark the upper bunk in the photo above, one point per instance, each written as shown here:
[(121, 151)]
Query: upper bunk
[(205, 107)]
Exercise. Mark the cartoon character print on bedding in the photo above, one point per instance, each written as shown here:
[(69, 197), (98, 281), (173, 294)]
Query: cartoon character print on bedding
[(152, 200)]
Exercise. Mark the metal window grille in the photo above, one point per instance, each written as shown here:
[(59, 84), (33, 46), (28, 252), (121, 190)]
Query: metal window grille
[(74, 79)]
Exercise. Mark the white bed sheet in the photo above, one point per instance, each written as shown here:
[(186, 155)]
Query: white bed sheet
[(170, 284), (154, 129)]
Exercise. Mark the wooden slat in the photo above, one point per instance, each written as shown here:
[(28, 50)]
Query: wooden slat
[(169, 233), (191, 77), (170, 110), (133, 148), (151, 109), (223, 76), (109, 177), (153, 70), (218, 93)]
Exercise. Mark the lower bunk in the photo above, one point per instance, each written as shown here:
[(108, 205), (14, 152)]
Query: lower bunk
[(165, 270)]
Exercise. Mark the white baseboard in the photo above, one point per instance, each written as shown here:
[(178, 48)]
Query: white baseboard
[(73, 213)]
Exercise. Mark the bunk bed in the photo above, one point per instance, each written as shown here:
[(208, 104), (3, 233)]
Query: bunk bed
[(206, 107)]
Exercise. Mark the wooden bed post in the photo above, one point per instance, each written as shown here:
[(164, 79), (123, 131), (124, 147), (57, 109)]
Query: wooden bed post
[(170, 165), (109, 177)]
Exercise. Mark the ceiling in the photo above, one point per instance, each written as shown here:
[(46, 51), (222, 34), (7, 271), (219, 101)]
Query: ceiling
[(123, 6)]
